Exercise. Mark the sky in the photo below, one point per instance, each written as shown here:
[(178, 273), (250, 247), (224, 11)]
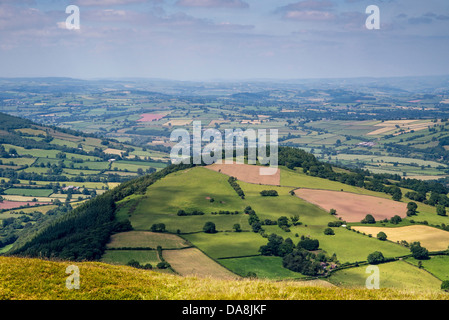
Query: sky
[(223, 39)]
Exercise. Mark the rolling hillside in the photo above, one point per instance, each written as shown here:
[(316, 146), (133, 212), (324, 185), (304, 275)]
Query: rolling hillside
[(198, 221)]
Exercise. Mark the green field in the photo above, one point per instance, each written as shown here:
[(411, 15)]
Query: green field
[(29, 192), (165, 197), (264, 267), (124, 256), (399, 275), (436, 265), (227, 244), (163, 200)]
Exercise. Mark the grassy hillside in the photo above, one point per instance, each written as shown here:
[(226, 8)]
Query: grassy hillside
[(34, 279), (155, 201)]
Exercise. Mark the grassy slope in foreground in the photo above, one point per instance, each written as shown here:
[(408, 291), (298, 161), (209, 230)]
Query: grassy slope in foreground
[(23, 278)]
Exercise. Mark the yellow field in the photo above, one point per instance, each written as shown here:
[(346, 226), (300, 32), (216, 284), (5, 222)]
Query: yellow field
[(113, 151), (192, 262), (407, 125), (179, 122), (431, 238)]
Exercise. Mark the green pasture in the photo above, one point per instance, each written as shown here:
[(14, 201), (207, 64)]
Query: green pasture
[(264, 267), (124, 256), (398, 274), (436, 265), (227, 244), (29, 192)]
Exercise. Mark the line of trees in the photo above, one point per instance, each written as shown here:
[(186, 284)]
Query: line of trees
[(233, 182)]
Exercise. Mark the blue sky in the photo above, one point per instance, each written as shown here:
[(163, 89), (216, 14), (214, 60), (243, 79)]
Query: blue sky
[(223, 39)]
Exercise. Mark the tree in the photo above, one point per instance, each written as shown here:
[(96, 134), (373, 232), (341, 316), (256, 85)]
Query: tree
[(397, 195), (158, 227), (376, 257), (309, 244), (286, 247), (303, 262), (396, 219), (333, 212), (272, 247), (269, 193), (329, 232), (445, 285), (418, 252), (209, 227), (237, 227), (369, 219), (382, 236), (283, 221), (133, 263), (411, 209), (163, 265), (295, 219), (441, 210), (256, 226)]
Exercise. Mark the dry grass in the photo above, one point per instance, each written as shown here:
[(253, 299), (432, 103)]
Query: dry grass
[(33, 279)]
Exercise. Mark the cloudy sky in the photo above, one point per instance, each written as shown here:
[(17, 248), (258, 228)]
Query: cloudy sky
[(223, 39)]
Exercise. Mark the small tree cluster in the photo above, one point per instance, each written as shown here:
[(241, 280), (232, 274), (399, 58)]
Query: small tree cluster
[(269, 193), (305, 262), (335, 224), (277, 246), (158, 227), (224, 212), (308, 244), (209, 227), (418, 252), (253, 220), (193, 213), (411, 209), (382, 236), (369, 219), (136, 264), (441, 210), (376, 257), (396, 219)]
